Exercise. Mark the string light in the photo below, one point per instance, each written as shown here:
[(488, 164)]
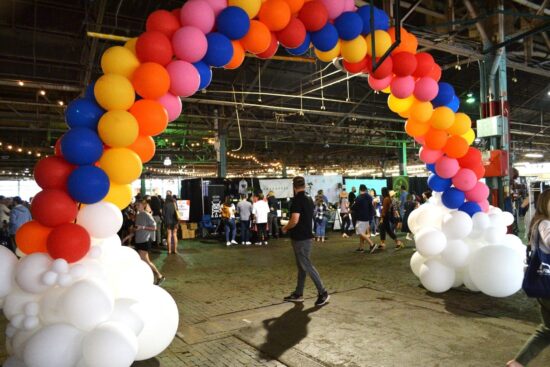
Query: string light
[(42, 92), (21, 83), (18, 149), (254, 159), (61, 103)]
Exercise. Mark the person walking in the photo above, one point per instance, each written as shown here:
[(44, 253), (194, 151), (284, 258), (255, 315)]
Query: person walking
[(301, 234), (170, 218), (145, 232), (260, 210), (364, 212), (410, 205), (344, 213), (272, 216), (228, 217), (351, 199), (386, 219), (156, 207), (376, 219), (539, 236), (402, 200), (19, 215), (320, 215), (244, 208)]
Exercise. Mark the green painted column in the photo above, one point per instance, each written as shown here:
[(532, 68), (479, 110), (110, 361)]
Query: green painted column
[(143, 188)]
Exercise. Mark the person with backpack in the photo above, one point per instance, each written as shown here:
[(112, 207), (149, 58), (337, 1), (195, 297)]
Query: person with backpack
[(364, 211), (389, 211), (539, 239)]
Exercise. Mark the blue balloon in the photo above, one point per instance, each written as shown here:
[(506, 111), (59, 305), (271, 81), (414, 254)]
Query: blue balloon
[(439, 184), (455, 104), (81, 146), (349, 25), (444, 96), (205, 73), (89, 93), (88, 184), (233, 22), (326, 38), (381, 20), (431, 167), (470, 208), (83, 112), (302, 49), (364, 13), (220, 50), (453, 198)]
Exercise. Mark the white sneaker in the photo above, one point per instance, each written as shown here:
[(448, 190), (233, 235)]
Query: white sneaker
[(258, 243), (228, 244), (409, 237), (234, 242), (265, 243), (249, 243)]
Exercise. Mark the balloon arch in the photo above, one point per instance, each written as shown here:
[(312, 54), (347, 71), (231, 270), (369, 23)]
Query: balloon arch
[(79, 298)]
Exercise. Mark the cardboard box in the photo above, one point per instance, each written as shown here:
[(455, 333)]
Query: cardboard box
[(193, 226), (189, 234)]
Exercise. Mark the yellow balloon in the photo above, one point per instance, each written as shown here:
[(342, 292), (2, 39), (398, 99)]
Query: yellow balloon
[(386, 90), (328, 56), (118, 128), (251, 7), (355, 50), (122, 165), (114, 92), (421, 111), (120, 195), (442, 118), (405, 114), (119, 60), (399, 105), (462, 124), (470, 136), (382, 40), (131, 44)]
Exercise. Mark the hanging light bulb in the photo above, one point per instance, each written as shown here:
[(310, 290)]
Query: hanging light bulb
[(167, 161)]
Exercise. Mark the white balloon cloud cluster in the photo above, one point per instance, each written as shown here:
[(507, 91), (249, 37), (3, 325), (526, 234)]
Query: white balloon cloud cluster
[(454, 249), (103, 310)]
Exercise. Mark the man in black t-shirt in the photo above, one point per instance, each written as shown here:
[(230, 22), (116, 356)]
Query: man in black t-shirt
[(300, 227)]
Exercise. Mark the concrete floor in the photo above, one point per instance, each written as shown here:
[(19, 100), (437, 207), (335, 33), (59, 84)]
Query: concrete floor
[(232, 315)]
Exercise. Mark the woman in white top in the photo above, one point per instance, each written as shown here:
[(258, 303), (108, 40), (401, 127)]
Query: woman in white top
[(345, 214), (260, 210)]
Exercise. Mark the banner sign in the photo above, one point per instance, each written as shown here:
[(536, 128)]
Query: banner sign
[(282, 188), (329, 184), (184, 207)]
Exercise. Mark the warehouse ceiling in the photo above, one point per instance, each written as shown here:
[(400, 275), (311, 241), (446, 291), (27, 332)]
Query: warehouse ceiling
[(293, 110)]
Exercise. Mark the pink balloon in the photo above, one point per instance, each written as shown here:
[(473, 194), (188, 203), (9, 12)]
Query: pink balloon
[(484, 204), (184, 78), (465, 179), (172, 104), (349, 5), (430, 156), (217, 6), (198, 13), (446, 167), (189, 44), (402, 87), (478, 193), (426, 89), (335, 8), (420, 140), (379, 84)]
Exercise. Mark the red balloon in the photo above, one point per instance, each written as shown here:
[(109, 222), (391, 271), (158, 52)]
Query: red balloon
[(435, 73), (271, 50), (163, 21), (356, 67), (471, 159), (177, 13), (404, 63), (52, 173), (53, 207), (384, 70), (154, 46), (479, 170), (68, 241), (314, 15), (293, 35), (425, 63), (57, 148)]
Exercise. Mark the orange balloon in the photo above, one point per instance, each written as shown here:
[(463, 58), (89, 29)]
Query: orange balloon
[(421, 111), (435, 139), (258, 38), (456, 147), (32, 237), (275, 14), (151, 80), (295, 5), (144, 146), (238, 56), (415, 128), (442, 118), (462, 124), (151, 116), (409, 42)]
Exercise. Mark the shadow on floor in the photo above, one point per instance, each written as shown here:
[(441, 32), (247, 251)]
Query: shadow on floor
[(285, 331), (153, 362)]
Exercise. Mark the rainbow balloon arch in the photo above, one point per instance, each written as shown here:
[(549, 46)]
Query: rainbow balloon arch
[(79, 298)]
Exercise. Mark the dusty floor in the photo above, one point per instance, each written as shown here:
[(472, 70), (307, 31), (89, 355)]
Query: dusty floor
[(232, 314)]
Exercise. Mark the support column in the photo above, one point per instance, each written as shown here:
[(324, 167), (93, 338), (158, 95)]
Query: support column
[(143, 187), (285, 174), (403, 159), (221, 146)]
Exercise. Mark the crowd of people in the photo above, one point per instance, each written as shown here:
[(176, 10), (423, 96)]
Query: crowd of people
[(14, 212)]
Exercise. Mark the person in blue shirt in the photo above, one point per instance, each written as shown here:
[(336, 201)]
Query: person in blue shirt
[(19, 215), (402, 200)]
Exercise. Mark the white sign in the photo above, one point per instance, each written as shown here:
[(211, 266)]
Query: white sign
[(329, 185), (184, 206), (282, 188)]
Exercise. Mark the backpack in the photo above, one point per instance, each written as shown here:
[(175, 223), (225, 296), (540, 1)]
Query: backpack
[(536, 282), (395, 216)]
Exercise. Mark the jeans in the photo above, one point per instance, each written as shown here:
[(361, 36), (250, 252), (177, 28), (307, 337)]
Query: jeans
[(374, 225), (540, 339), (302, 252), (346, 222), (245, 230), (230, 227), (321, 227), (273, 225)]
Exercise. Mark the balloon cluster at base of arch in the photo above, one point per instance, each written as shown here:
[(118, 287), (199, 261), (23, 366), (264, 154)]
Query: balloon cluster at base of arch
[(73, 259)]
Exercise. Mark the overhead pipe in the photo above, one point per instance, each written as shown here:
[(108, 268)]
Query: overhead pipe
[(533, 5), (39, 85)]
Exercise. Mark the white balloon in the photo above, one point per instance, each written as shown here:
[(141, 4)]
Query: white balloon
[(130, 277), (515, 243), (16, 301), (65, 280), (50, 278), (494, 235), (50, 306), (430, 216), (497, 219), (30, 270), (436, 277), (494, 210), (110, 344), (31, 323), (496, 270), (411, 221), (57, 345), (468, 283), (60, 266), (101, 220), (7, 270), (416, 262), (459, 278), (507, 218), (13, 362), (32, 309), (159, 313), (124, 314), (19, 341), (87, 303), (457, 225), (430, 242), (456, 253), (480, 222)]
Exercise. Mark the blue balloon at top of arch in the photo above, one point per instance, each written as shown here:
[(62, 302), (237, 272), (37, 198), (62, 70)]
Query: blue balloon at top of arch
[(381, 19), (470, 208), (455, 104), (439, 184), (453, 198), (233, 22), (444, 96), (326, 38), (302, 49), (81, 146), (88, 184), (205, 74), (349, 25), (83, 112), (220, 50)]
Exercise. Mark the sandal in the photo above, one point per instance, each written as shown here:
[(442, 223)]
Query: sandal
[(399, 246)]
